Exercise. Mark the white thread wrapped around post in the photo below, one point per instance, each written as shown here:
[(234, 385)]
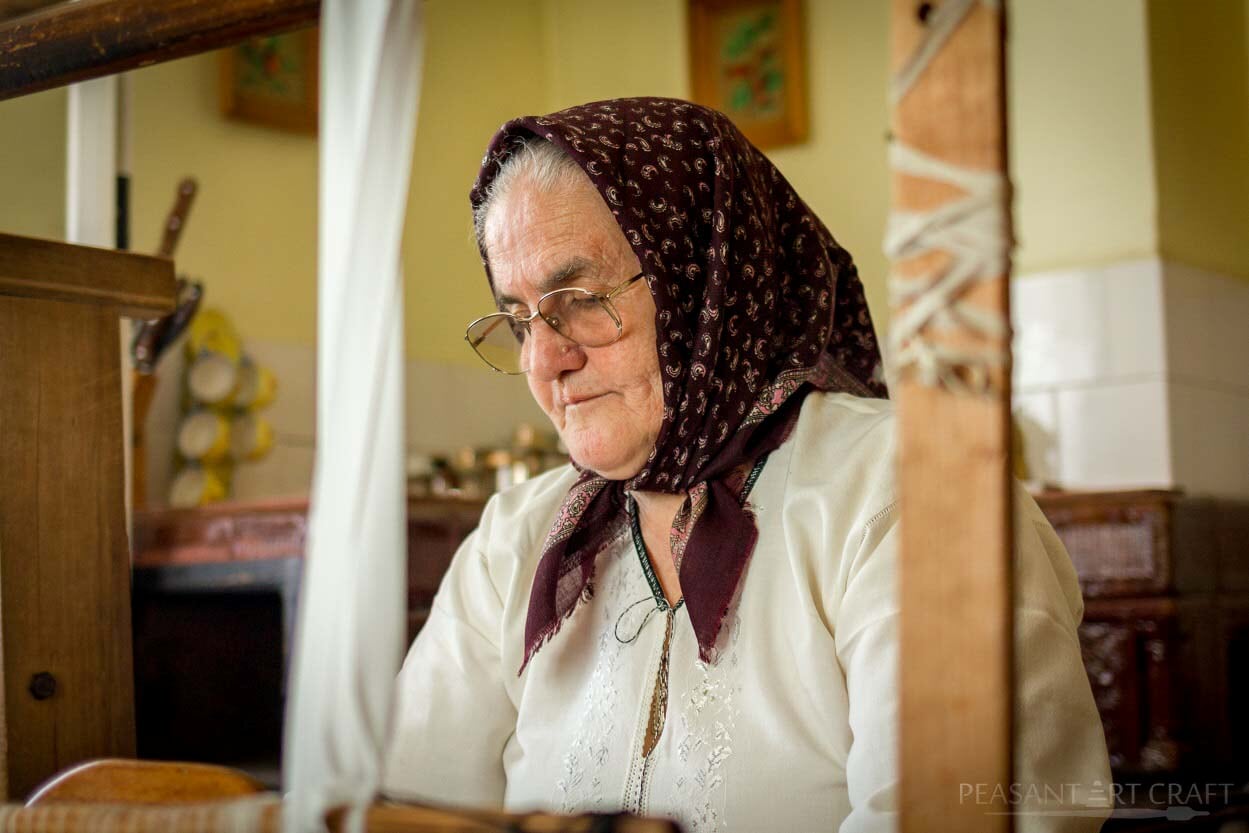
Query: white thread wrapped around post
[(972, 230), (351, 620)]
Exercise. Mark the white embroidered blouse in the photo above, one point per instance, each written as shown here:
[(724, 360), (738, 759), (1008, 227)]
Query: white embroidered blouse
[(793, 727)]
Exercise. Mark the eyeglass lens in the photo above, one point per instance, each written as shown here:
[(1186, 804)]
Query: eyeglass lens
[(577, 314)]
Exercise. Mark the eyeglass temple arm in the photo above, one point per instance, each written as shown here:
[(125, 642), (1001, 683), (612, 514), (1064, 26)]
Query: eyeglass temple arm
[(484, 335), (624, 286)]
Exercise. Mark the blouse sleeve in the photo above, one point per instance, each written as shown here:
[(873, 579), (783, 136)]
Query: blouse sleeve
[(1060, 750), (453, 714)]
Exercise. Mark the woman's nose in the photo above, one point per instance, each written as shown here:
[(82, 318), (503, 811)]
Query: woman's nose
[(550, 353)]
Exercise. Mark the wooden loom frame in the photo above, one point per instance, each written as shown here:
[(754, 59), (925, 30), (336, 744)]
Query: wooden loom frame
[(956, 696), (955, 583)]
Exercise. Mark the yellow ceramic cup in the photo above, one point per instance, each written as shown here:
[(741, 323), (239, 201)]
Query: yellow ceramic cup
[(210, 331), (204, 435), (257, 386), (196, 486), (213, 378), (251, 437)]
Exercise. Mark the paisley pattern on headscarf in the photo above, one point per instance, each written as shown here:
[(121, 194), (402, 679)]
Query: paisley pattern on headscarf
[(756, 305)]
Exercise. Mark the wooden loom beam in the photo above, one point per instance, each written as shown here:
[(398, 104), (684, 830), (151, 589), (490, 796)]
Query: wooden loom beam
[(70, 42), (955, 487), (67, 689), (380, 818)]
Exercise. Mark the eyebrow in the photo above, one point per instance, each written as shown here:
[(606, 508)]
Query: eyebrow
[(554, 279)]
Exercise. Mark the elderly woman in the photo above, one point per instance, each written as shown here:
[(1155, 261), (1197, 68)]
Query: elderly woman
[(697, 618)]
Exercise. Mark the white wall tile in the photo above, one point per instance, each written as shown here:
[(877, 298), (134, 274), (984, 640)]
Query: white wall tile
[(1209, 440), (1115, 436), (1036, 415), (162, 417), (162, 424), (1207, 329), (496, 404), (160, 462), (1059, 320), (453, 406), (1135, 334), (294, 409), (431, 407), (285, 472), (1138, 370)]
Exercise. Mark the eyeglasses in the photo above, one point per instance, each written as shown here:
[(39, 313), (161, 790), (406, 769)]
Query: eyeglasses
[(579, 315)]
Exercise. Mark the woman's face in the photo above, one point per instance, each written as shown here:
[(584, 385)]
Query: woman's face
[(606, 402)]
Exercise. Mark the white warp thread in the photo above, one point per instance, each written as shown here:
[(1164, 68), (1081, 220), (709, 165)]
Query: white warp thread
[(351, 619), (972, 230), (245, 815)]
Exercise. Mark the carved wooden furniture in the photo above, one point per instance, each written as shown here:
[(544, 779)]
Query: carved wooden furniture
[(1166, 626), (242, 532), (64, 559), (214, 602)]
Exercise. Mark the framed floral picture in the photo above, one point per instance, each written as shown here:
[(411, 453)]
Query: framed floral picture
[(747, 61), (272, 81)]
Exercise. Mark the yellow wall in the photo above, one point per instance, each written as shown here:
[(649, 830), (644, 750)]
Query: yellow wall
[(1081, 150), (251, 233), (32, 165), (595, 50), (842, 170), (1201, 131), (483, 65)]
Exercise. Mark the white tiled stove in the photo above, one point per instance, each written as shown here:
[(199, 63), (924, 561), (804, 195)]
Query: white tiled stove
[(1134, 375)]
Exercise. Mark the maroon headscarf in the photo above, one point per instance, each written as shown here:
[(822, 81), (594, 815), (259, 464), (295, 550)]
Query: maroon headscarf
[(756, 305)]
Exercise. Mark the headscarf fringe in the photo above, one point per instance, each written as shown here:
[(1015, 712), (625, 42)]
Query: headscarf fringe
[(550, 630)]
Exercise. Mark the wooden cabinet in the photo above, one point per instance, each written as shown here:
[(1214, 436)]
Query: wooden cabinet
[(173, 547), (1166, 626), (214, 596)]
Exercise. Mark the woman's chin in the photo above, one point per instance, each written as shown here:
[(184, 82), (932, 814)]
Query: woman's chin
[(612, 463), (612, 470)]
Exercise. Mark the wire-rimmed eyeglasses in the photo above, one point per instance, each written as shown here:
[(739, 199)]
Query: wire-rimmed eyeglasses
[(582, 316)]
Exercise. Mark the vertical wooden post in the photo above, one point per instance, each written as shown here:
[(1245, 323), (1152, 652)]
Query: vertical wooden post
[(68, 686), (955, 585)]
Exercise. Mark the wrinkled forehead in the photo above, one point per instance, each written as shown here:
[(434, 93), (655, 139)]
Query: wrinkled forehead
[(536, 239)]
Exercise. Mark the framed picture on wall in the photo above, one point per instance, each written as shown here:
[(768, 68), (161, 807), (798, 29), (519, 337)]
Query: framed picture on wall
[(272, 81), (747, 60)]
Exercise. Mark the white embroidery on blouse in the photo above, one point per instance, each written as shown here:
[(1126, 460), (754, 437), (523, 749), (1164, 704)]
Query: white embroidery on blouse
[(581, 782), (708, 719)]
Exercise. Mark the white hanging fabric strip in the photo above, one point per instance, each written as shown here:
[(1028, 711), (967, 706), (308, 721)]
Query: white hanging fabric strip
[(351, 620), (972, 229)]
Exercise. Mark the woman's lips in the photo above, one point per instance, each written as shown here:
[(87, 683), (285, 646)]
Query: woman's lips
[(570, 401)]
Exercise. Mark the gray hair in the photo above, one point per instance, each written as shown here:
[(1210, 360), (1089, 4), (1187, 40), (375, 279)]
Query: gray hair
[(539, 161)]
